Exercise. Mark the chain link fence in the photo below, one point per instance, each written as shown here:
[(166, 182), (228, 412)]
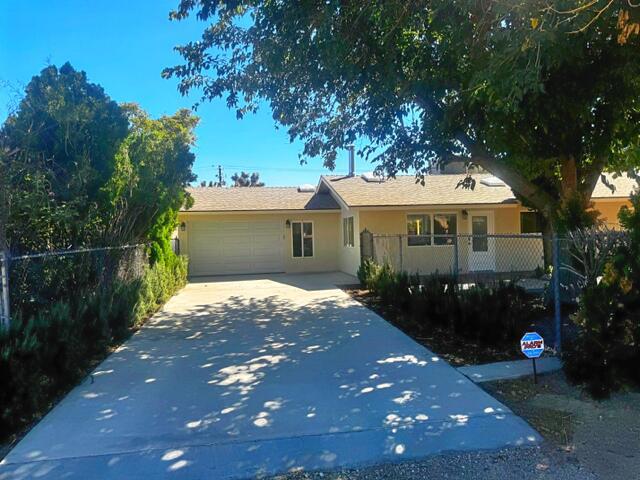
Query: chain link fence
[(556, 267), (32, 283), (470, 258)]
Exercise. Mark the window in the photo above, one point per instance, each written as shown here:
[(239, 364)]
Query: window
[(347, 232), (530, 222), (444, 224), (418, 230), (302, 238)]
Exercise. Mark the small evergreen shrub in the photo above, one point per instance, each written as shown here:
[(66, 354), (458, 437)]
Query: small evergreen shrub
[(490, 315), (46, 353), (605, 356), (364, 272)]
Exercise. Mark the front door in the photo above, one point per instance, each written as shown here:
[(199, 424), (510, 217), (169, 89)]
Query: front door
[(482, 247)]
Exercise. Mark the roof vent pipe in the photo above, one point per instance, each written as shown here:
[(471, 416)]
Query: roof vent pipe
[(352, 160)]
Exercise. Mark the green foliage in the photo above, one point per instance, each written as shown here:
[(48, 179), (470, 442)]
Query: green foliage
[(575, 215), (61, 143), (365, 272), (516, 87), (490, 315), (243, 179), (606, 353), (44, 356), (153, 165), (78, 170)]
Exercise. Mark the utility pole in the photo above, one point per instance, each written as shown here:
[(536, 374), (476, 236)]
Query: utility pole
[(220, 177)]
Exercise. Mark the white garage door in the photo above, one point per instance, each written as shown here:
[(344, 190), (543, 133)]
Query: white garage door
[(226, 247)]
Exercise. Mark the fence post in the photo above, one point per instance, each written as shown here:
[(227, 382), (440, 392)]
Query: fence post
[(4, 283), (557, 304), (456, 266), (366, 245)]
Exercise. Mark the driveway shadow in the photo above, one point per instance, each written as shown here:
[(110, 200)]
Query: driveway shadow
[(241, 378)]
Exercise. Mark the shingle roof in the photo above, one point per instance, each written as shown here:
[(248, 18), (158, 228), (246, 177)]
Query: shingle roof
[(357, 192), (403, 190), (238, 199), (624, 186), (442, 190)]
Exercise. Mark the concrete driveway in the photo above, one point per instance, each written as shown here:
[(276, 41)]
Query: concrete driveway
[(246, 376)]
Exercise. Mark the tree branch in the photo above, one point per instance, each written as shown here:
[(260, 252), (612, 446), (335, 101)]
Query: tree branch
[(540, 199)]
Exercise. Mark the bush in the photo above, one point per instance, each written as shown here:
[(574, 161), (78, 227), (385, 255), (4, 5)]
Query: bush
[(43, 355), (599, 356), (365, 272), (606, 352), (490, 315)]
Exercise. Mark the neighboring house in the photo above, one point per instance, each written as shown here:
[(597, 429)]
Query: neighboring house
[(312, 229)]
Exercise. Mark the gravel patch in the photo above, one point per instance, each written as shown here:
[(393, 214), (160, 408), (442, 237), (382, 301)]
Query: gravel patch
[(530, 463), (604, 436)]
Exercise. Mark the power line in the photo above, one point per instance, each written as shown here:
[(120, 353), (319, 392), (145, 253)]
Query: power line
[(301, 169)]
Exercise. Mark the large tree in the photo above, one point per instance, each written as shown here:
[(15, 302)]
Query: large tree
[(79, 170), (153, 166), (519, 88), (59, 149)]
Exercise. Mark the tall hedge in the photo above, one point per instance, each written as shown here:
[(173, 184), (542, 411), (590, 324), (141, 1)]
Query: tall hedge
[(80, 171)]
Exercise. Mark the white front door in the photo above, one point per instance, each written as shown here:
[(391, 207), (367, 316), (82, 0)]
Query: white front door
[(482, 248)]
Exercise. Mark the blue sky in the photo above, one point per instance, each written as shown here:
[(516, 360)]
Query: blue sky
[(123, 46)]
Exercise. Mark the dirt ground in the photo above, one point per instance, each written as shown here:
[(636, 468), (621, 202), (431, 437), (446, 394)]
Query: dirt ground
[(604, 436), (457, 351)]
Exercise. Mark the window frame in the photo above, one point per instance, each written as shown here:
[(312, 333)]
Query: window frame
[(537, 215), (348, 232), (302, 237), (430, 236), (433, 227)]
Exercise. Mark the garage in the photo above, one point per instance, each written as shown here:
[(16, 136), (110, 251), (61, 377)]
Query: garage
[(230, 247)]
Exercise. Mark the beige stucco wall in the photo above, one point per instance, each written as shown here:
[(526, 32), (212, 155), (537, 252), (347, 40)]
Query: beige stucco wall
[(506, 218), (608, 210), (395, 249), (326, 231), (330, 253), (511, 254)]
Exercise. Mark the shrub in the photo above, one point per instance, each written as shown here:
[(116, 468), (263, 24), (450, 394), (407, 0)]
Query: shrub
[(606, 352), (490, 315), (393, 288), (46, 353), (364, 272)]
